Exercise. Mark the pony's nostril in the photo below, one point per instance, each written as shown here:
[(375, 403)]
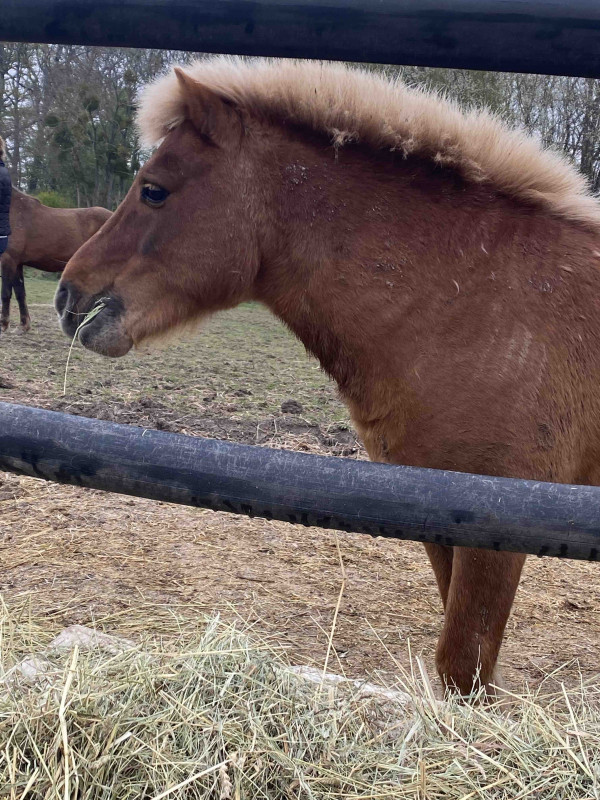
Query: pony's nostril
[(60, 299)]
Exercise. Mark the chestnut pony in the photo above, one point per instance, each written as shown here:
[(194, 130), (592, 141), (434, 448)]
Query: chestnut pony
[(44, 238), (444, 269)]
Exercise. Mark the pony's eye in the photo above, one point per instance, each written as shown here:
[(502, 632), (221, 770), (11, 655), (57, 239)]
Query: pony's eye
[(153, 195)]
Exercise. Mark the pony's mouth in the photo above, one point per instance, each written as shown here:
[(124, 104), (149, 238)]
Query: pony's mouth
[(98, 322)]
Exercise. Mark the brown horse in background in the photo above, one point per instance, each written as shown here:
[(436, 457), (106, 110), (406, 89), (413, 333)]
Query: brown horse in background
[(444, 269), (44, 238)]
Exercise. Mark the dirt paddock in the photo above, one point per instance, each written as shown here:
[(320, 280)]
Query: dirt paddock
[(88, 555)]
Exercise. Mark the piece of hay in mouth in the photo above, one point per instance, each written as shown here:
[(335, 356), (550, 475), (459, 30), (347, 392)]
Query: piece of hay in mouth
[(98, 306)]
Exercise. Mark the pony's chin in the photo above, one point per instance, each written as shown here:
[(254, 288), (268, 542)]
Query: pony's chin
[(105, 335)]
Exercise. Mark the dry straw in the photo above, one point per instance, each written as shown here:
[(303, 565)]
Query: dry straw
[(219, 715)]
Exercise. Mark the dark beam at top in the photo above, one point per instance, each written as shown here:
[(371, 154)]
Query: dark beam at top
[(544, 36)]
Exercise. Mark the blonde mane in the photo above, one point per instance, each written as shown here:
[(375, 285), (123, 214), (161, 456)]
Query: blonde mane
[(355, 105)]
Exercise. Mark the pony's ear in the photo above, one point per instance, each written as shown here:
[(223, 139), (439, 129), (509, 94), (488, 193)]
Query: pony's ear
[(208, 113)]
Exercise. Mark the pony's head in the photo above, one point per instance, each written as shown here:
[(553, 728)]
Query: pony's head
[(220, 198), (182, 243)]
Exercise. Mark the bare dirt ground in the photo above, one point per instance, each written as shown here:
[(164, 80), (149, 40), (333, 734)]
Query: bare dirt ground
[(87, 555)]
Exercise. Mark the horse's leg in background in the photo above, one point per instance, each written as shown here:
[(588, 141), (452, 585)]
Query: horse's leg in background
[(19, 287), (8, 273), (480, 596)]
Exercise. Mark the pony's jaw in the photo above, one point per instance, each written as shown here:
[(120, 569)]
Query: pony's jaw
[(104, 331)]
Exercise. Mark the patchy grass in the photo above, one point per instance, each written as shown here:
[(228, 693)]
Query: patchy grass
[(40, 287)]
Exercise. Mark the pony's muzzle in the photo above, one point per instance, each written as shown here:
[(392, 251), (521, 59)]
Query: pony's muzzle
[(98, 321)]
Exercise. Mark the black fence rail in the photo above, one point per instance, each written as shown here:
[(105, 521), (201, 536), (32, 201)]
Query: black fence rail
[(545, 36), (382, 500)]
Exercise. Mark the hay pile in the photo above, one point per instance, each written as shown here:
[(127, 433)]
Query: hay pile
[(220, 715)]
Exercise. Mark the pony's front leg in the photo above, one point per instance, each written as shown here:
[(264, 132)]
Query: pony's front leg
[(480, 596), (7, 284), (440, 558), (19, 287)]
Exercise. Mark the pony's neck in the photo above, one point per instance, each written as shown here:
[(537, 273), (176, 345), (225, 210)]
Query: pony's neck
[(358, 254)]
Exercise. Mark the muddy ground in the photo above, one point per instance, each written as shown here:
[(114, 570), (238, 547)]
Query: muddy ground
[(87, 555)]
